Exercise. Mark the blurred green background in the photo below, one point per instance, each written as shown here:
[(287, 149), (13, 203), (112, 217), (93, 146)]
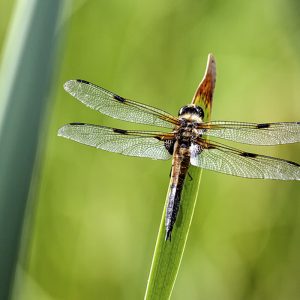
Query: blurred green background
[(93, 216)]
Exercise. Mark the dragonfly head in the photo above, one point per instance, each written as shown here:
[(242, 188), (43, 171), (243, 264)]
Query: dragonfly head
[(191, 112)]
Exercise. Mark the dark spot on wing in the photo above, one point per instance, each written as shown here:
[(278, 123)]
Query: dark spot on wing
[(77, 123), (247, 154), (119, 98), (294, 163), (263, 125), (82, 81), (209, 146), (121, 131)]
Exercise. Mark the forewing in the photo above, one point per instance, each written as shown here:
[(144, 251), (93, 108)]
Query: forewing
[(252, 133), (118, 107), (133, 143), (220, 158)]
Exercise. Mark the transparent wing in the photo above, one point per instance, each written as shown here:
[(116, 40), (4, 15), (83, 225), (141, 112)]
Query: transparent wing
[(252, 133), (133, 143), (220, 158), (118, 107)]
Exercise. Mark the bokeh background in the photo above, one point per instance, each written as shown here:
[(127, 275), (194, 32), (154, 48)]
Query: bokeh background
[(93, 216)]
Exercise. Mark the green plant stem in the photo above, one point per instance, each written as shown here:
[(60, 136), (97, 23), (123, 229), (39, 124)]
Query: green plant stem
[(168, 254)]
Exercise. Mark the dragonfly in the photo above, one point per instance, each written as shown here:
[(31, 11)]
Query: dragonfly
[(186, 142)]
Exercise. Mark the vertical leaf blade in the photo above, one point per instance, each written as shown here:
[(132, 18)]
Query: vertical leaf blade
[(24, 84), (168, 255)]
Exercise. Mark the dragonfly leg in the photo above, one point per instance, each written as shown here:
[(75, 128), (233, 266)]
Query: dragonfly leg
[(171, 171)]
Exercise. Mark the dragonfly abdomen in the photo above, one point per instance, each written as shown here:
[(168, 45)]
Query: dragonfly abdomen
[(180, 166)]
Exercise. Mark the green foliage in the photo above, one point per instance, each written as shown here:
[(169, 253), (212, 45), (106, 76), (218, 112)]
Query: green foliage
[(96, 214), (168, 254), (24, 83)]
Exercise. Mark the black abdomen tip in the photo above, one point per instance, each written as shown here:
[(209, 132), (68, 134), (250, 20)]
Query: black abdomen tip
[(168, 235)]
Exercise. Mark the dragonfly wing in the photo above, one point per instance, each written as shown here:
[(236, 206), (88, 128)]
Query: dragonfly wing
[(252, 133), (116, 106), (133, 143), (220, 158)]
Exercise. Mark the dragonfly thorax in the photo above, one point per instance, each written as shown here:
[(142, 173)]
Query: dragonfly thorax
[(186, 133)]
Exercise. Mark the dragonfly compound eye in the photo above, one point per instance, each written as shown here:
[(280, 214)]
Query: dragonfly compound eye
[(182, 110), (199, 111), (191, 109)]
